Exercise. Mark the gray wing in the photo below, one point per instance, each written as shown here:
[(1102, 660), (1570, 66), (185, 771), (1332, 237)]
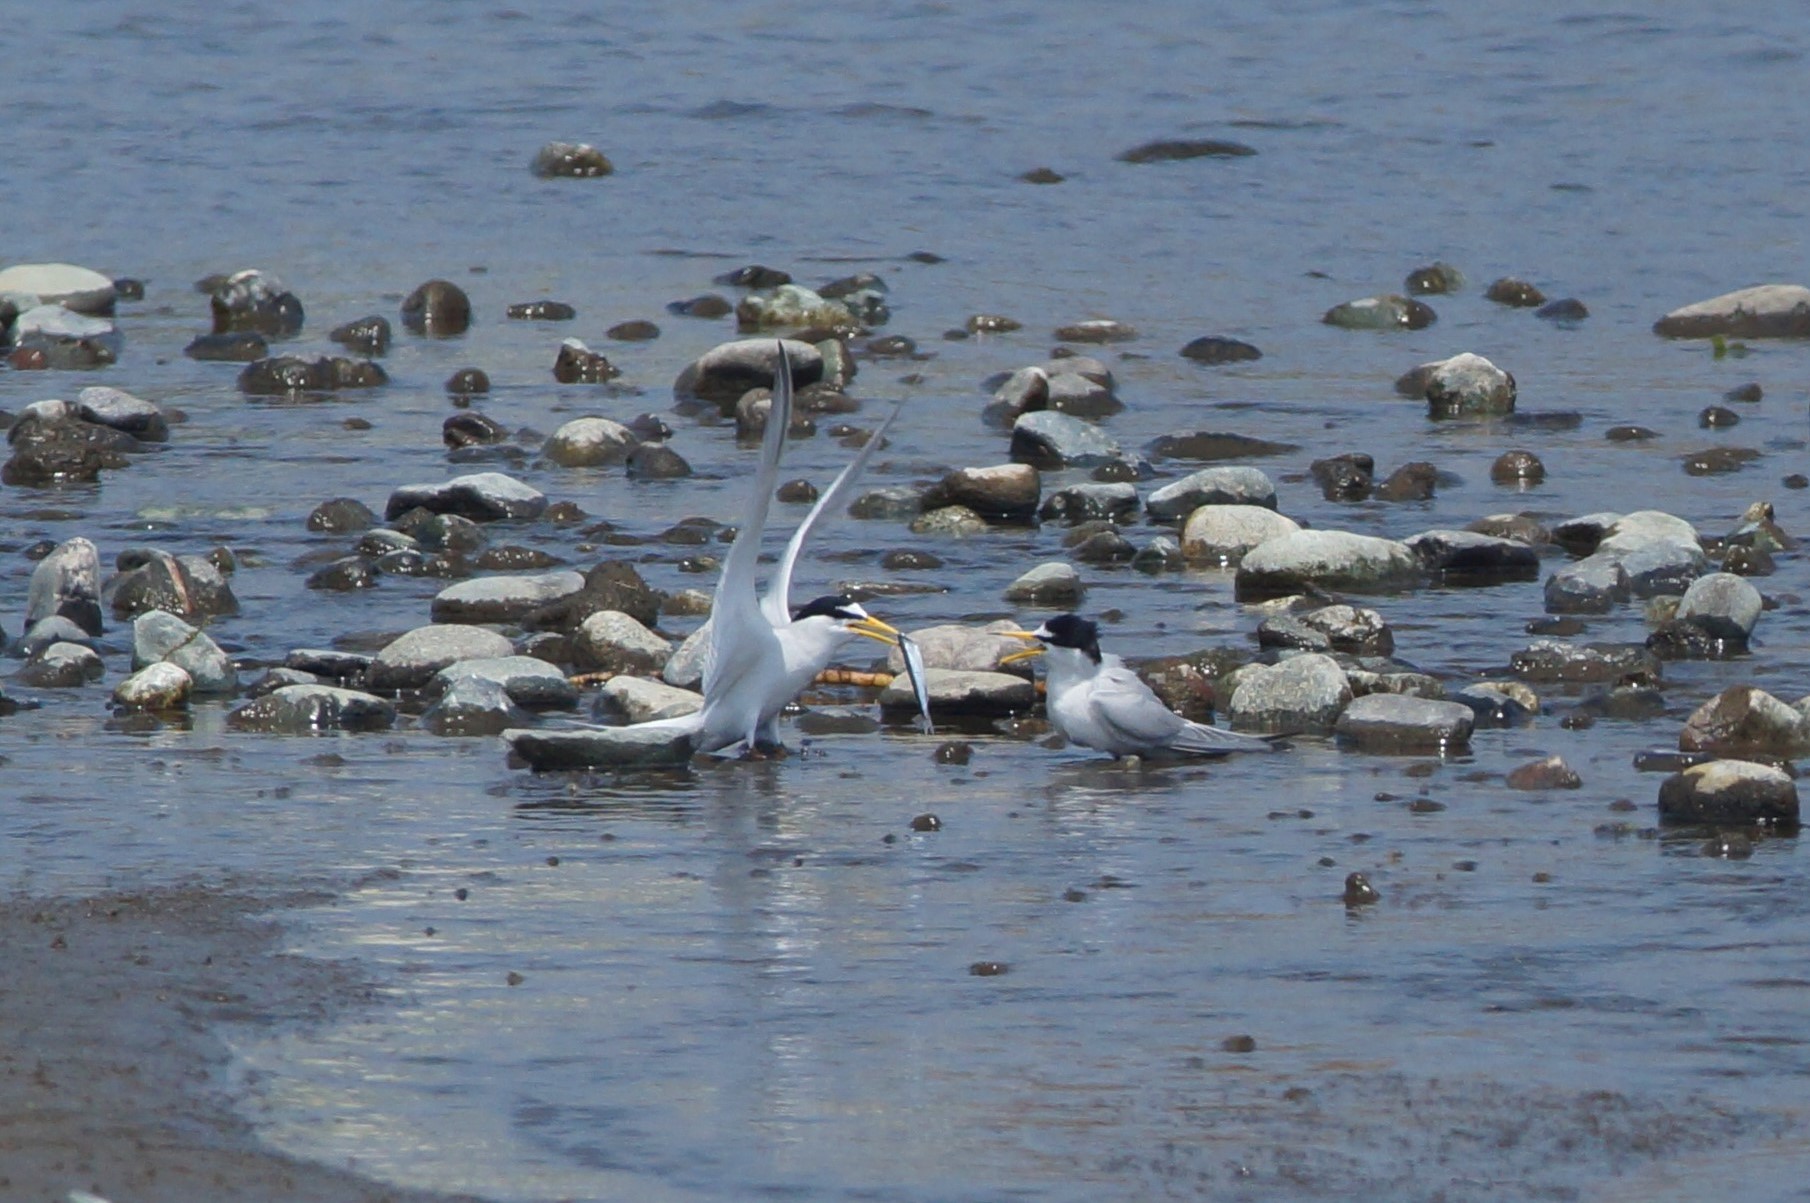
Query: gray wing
[(777, 604), (1127, 708), (735, 610)]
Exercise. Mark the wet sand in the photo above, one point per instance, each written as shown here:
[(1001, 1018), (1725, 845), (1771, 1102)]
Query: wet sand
[(113, 1067)]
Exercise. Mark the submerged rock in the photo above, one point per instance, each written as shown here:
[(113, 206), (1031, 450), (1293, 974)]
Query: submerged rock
[(438, 309), (571, 161), (1390, 312)]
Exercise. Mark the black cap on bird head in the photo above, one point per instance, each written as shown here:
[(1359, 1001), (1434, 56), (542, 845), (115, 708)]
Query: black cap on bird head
[(839, 606), (1072, 631)]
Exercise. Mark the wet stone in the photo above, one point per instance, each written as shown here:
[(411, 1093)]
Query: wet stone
[(468, 382), (119, 410), (481, 497), (158, 636), (1516, 293), (1388, 312), (611, 641), (437, 309), (656, 461), (1222, 534), (1717, 417), (160, 686), (1396, 724), (589, 443), (1097, 330), (708, 306), (1335, 628), (469, 429), (1054, 584), (1462, 557), (368, 335), (1717, 461), (1082, 503), (411, 660), (189, 586), (1213, 349), (1329, 560), (1765, 311), (255, 301), (1744, 720), (311, 709), (723, 374), (290, 375), (576, 363), (329, 664), (957, 693), (1359, 891), (632, 699), (499, 599), (61, 665), (1210, 445), (1210, 486), (1554, 661), (1049, 439), (1518, 467), (1466, 385), (1007, 492), (472, 706), (571, 161), (66, 583), (1171, 150), (602, 747), (1435, 279), (991, 323), (237, 346), (1567, 309), (1499, 703), (1730, 791), (1347, 477), (1411, 482), (1305, 693), (1548, 773), (540, 311)]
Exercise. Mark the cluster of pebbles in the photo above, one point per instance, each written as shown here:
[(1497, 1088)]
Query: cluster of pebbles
[(514, 633)]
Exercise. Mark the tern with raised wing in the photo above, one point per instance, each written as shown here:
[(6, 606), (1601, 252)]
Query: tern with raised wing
[(763, 653)]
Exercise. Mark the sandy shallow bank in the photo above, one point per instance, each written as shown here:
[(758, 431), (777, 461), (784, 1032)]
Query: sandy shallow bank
[(112, 1064)]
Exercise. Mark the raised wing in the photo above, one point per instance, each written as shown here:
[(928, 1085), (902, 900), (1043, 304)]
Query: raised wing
[(777, 604), (736, 606)]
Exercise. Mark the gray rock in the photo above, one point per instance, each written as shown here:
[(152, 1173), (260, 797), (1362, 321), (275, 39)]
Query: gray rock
[(611, 641), (1304, 693), (46, 631), (160, 686), (256, 301), (1162, 554), (329, 663), (957, 693), (1723, 604), (795, 307), (1389, 312), (1211, 486), (411, 660), (121, 411), (310, 709), (725, 372), (1764, 311), (158, 636), (1395, 724), (1327, 560), (685, 667), (1592, 585), (1336, 628), (1004, 491), (1048, 439), (1744, 720), (1729, 791), (61, 666), (1555, 661), (1462, 557), (1467, 385), (1117, 500), (948, 520), (600, 748), (1053, 584), (191, 587), (1222, 534), (590, 443), (1413, 684), (67, 584), (639, 700), (530, 683), (503, 598), (276, 678), (1642, 528), (1547, 773), (67, 338), (480, 496), (1499, 703), (81, 289), (473, 706), (961, 648), (1660, 568)]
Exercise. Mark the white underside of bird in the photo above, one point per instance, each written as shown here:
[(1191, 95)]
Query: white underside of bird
[(760, 657)]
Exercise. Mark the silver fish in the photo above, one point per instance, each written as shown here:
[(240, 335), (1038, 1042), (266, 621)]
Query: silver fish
[(914, 672)]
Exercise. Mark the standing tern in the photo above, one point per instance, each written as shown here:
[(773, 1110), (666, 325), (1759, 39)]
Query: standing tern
[(1097, 702), (762, 652)]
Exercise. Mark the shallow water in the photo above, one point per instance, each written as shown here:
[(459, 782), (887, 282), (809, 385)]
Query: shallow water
[(732, 983)]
